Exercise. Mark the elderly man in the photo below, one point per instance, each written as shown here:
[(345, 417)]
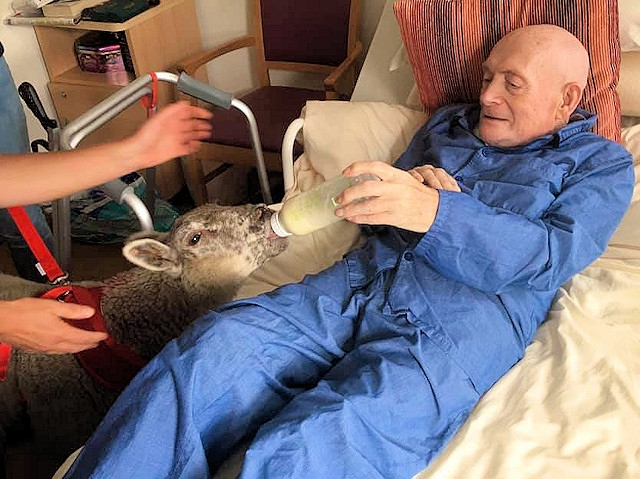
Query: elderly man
[(368, 368)]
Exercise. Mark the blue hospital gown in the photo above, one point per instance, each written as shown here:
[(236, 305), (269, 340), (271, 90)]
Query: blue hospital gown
[(368, 368)]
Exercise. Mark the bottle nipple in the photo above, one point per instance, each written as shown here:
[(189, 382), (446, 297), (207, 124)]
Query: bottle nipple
[(277, 227)]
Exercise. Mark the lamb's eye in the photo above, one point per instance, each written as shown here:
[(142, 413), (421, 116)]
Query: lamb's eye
[(195, 238)]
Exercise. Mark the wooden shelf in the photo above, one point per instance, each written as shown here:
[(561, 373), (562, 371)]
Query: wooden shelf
[(77, 76), (121, 27)]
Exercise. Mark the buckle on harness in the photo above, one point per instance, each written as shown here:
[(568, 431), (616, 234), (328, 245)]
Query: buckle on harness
[(61, 297), (61, 280)]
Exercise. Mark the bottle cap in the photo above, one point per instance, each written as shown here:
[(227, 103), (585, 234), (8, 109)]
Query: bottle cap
[(277, 227)]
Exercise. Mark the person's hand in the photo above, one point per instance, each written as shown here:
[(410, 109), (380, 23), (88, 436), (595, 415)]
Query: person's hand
[(35, 324), (435, 178), (176, 130), (400, 199)]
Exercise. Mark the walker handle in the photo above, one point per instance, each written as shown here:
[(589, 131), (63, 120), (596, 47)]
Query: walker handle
[(202, 91), (30, 96), (124, 193), (116, 189)]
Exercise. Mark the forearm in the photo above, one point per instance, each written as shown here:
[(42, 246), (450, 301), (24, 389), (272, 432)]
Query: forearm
[(31, 178), (492, 249), (175, 131)]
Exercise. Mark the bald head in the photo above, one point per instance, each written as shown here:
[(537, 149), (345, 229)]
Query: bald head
[(533, 80), (551, 48)]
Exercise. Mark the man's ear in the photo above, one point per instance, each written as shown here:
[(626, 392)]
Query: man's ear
[(153, 255), (571, 97)]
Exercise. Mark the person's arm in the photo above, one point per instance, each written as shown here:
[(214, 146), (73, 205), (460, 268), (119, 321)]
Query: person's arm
[(35, 324), (496, 247), (176, 130), (405, 199), (493, 249)]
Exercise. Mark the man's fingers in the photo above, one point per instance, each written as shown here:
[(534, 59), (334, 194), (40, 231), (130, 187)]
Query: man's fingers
[(378, 168), (416, 175), (432, 180), (436, 178)]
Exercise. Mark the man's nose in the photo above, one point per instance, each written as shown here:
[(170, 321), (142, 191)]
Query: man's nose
[(490, 93)]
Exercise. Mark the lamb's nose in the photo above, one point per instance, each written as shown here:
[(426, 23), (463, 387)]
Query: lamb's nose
[(262, 212)]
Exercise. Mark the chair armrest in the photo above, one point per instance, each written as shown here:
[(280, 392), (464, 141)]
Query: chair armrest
[(192, 63), (331, 81)]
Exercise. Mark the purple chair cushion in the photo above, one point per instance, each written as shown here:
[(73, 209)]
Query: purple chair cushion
[(274, 107)]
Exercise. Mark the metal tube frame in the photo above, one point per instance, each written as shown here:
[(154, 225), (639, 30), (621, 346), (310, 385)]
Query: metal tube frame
[(74, 132)]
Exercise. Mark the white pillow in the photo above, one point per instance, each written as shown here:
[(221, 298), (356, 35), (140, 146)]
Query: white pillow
[(625, 241), (629, 11), (337, 133)]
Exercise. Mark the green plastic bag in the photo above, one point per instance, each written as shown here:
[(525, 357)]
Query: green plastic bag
[(97, 219)]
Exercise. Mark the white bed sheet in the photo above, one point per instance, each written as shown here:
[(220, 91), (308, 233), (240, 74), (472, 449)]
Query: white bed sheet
[(571, 407)]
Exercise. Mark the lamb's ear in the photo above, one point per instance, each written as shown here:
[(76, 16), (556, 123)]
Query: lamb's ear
[(153, 255), (157, 235)]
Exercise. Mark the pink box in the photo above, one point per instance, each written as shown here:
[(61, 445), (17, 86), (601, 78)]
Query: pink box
[(100, 60)]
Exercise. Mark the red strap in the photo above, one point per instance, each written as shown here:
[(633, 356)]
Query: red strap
[(110, 363), (47, 264), (150, 102), (5, 355), (46, 261)]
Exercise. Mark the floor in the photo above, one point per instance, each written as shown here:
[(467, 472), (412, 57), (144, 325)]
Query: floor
[(93, 262)]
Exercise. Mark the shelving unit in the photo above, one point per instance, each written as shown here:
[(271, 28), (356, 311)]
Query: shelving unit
[(157, 39)]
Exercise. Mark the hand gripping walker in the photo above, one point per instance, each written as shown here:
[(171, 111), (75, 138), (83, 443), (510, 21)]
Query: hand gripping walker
[(73, 133)]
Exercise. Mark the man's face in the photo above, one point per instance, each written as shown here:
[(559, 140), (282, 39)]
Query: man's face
[(520, 96)]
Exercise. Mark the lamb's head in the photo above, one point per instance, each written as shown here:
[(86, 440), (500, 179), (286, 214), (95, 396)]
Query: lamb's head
[(210, 248)]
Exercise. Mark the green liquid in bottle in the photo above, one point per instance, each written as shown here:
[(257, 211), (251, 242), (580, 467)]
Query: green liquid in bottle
[(315, 208)]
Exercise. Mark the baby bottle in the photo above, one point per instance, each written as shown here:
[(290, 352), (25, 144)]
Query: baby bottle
[(315, 208)]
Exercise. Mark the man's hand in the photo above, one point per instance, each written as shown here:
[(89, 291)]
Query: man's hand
[(401, 199), (176, 130), (435, 178), (36, 324)]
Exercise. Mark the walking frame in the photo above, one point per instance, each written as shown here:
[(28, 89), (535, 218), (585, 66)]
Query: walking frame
[(69, 136)]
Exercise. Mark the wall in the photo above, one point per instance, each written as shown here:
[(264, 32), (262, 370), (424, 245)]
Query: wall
[(222, 20), (23, 56), (219, 20)]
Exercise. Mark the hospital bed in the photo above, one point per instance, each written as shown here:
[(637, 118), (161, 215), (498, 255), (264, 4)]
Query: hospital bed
[(571, 406)]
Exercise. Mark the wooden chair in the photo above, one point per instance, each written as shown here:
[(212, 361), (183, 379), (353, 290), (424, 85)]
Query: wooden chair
[(313, 37)]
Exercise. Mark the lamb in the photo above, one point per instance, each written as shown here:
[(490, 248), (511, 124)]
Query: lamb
[(195, 267)]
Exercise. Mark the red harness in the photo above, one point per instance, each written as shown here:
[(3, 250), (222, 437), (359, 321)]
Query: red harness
[(110, 363)]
